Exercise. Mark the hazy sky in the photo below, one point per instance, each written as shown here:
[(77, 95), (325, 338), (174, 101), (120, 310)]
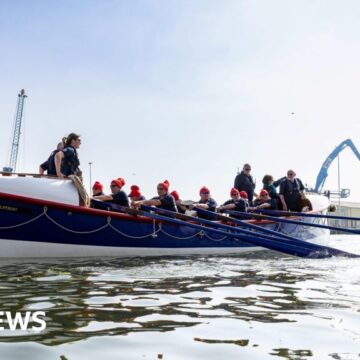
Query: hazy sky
[(185, 90)]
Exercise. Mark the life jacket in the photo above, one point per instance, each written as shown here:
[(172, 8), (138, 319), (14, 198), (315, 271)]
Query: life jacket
[(70, 164), (295, 187)]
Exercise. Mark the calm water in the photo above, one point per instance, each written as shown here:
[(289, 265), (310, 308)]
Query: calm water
[(262, 306)]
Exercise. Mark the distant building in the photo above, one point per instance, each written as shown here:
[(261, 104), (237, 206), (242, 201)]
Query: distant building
[(346, 208)]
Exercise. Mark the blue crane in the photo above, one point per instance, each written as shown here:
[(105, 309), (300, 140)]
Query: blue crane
[(17, 131), (320, 180)]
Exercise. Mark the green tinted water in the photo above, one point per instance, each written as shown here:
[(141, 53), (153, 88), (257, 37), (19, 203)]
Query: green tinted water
[(256, 307)]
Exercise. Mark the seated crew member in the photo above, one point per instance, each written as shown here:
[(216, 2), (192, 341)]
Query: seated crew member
[(135, 194), (244, 196), (118, 196), (179, 204), (236, 203), (291, 190), (97, 189), (245, 182), (265, 202), (49, 164), (163, 201), (67, 160), (206, 202)]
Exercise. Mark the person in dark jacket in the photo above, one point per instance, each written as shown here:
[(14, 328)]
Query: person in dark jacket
[(48, 166), (236, 203), (291, 191), (118, 196), (206, 202), (270, 185), (163, 201), (265, 202), (245, 182), (67, 160)]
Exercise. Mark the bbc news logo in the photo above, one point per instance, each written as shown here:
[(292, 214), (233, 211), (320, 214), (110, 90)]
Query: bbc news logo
[(21, 321)]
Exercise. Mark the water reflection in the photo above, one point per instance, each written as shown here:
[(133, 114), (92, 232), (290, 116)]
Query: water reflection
[(232, 301)]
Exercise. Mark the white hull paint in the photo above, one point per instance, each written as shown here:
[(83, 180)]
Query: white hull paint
[(49, 189), (32, 249)]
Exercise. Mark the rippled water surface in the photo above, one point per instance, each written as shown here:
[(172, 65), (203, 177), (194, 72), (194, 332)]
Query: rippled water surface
[(261, 306)]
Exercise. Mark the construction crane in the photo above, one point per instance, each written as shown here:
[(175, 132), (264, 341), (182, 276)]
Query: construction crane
[(320, 180), (17, 131)]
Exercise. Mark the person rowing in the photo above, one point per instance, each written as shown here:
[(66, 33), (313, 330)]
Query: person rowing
[(135, 193), (264, 202), (244, 196), (236, 203), (97, 189), (163, 201), (206, 202), (179, 203), (118, 196)]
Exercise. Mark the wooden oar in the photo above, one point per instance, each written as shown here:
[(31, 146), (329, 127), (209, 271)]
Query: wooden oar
[(295, 222), (292, 247), (303, 214)]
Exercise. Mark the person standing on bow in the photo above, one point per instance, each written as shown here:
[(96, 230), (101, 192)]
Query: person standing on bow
[(163, 201), (67, 160), (118, 196), (206, 202), (245, 182), (49, 164), (291, 191)]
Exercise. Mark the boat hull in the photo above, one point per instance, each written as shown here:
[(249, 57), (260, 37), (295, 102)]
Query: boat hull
[(37, 228)]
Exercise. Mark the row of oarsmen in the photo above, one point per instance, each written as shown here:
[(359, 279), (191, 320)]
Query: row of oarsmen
[(171, 200)]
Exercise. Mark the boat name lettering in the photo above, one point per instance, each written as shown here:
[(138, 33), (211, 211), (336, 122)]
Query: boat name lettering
[(8, 208), (15, 209)]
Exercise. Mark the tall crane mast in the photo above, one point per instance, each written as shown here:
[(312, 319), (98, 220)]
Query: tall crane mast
[(17, 131)]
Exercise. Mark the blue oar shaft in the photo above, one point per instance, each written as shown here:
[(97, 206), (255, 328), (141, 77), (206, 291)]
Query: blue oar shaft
[(290, 246), (250, 226), (321, 216), (275, 234), (297, 222)]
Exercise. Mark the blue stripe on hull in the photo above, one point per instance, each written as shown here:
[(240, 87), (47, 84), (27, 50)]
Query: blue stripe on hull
[(24, 221), (63, 227)]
